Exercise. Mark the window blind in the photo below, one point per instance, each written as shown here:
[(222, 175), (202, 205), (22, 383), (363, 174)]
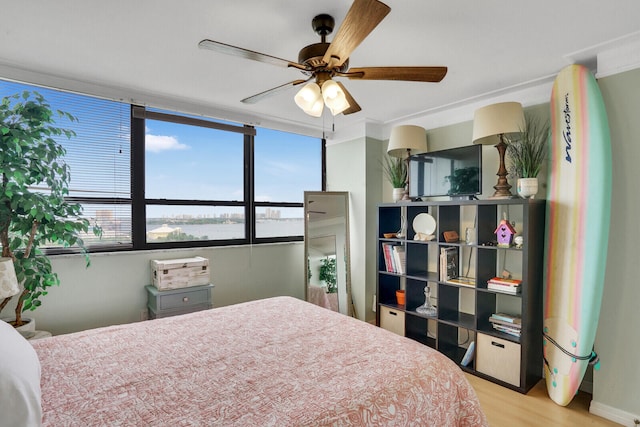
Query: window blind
[(99, 158)]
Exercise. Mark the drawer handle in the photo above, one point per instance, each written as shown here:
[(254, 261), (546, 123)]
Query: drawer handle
[(497, 344), (393, 313), (185, 299)]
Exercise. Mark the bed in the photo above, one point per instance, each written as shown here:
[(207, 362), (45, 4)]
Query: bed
[(319, 296), (273, 362)]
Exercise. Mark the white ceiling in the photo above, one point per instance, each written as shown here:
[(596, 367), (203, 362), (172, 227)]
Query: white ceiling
[(146, 51)]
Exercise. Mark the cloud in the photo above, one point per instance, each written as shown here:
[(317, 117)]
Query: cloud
[(157, 143), (276, 168)]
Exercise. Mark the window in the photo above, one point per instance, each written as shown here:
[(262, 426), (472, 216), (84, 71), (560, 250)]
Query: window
[(283, 163), (207, 181), (156, 179), (99, 157)]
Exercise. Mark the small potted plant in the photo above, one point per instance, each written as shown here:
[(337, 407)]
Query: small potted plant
[(528, 153), (33, 209), (395, 169)]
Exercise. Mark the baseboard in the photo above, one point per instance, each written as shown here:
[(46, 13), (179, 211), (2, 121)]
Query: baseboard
[(613, 414)]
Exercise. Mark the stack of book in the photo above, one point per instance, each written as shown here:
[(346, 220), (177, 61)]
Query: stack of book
[(507, 286), (506, 323), (394, 258)]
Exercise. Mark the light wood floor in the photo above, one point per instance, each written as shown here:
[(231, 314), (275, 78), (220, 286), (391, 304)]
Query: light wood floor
[(507, 408)]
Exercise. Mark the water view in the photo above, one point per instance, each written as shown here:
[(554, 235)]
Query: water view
[(222, 230)]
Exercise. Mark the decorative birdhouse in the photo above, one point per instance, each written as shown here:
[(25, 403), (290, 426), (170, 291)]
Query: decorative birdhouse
[(505, 233)]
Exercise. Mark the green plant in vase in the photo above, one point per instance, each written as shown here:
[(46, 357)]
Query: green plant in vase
[(528, 154), (395, 169)]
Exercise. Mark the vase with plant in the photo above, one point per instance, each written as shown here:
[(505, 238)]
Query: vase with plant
[(528, 154), (395, 169), (34, 211), (328, 274)]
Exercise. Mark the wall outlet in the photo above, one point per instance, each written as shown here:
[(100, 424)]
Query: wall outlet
[(144, 314)]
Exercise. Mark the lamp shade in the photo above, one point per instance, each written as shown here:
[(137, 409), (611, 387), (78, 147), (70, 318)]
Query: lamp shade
[(497, 119), (407, 137), (334, 97), (309, 99), (8, 280)]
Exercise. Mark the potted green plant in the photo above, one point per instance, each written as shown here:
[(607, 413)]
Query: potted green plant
[(528, 153), (33, 208), (328, 274), (395, 169)]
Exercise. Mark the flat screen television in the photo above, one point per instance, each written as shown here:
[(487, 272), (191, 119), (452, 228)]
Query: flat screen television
[(455, 172)]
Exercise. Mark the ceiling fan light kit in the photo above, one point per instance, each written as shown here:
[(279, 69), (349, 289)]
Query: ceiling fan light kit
[(310, 98), (323, 61)]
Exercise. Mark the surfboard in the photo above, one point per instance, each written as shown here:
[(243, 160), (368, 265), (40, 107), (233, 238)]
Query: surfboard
[(577, 229)]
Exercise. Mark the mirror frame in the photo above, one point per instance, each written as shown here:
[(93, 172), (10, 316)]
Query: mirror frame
[(344, 195)]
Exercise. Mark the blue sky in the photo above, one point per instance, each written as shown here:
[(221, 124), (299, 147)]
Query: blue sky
[(192, 162)]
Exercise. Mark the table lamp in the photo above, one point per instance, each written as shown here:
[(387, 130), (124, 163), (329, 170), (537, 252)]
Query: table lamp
[(404, 141), (492, 125), (8, 280)]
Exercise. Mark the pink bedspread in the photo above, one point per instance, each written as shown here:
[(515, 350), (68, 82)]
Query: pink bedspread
[(274, 362)]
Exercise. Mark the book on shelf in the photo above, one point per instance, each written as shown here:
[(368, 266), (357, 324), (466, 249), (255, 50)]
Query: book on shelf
[(448, 263), (502, 322), (506, 318), (394, 258), (507, 330), (386, 252), (400, 258), (507, 289), (463, 281), (505, 282)]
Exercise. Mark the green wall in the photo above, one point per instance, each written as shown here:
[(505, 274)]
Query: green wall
[(354, 166), (617, 383), (111, 291)]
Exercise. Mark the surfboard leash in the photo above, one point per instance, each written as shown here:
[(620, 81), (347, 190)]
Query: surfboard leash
[(593, 358)]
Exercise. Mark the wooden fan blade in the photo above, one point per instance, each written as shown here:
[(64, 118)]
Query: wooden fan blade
[(248, 54), (353, 105), (413, 74), (267, 93), (362, 18)]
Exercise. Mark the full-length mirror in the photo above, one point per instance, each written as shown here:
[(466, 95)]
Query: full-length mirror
[(326, 242)]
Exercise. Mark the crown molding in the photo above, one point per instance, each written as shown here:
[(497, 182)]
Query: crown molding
[(624, 57)]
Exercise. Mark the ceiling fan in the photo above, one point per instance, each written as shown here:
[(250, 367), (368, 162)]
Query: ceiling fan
[(323, 61)]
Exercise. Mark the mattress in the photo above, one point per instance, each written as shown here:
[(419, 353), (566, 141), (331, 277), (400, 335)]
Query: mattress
[(273, 362)]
